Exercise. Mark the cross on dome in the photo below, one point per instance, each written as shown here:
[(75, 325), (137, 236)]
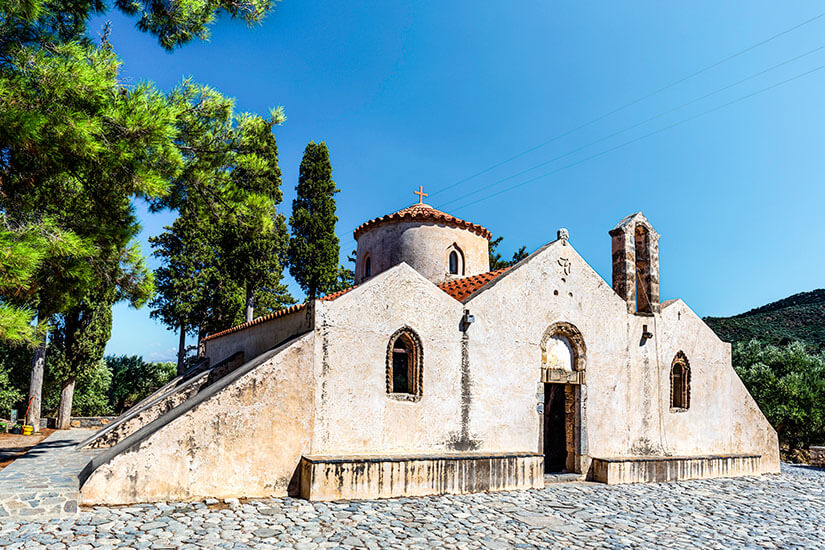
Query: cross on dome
[(421, 194)]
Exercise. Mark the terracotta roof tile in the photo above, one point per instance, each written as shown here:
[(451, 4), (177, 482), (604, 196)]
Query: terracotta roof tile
[(460, 289), (422, 213), (463, 288), (257, 321), (275, 314)]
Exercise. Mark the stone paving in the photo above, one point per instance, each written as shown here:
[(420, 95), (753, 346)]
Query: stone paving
[(781, 511), (43, 482)]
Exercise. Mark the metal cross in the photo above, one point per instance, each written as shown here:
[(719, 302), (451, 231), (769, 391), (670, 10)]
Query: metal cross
[(421, 194)]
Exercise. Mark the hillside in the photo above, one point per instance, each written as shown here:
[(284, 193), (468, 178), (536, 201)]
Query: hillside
[(797, 317)]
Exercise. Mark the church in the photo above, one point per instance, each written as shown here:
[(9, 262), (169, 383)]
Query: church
[(434, 374)]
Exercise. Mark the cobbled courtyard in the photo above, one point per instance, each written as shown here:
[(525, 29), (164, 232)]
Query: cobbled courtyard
[(782, 511)]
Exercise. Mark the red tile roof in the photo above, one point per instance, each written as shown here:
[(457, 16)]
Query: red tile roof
[(275, 315), (422, 213), (463, 288)]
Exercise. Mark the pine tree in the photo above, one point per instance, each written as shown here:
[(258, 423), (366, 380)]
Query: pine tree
[(76, 145), (313, 247)]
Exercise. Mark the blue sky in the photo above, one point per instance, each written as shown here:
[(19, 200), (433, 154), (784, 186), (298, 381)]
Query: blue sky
[(431, 93)]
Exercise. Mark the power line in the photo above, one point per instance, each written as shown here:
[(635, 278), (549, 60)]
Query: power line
[(626, 143), (623, 130), (634, 102)]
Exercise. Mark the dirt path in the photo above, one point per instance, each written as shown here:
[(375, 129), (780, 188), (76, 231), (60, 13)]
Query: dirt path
[(12, 446)]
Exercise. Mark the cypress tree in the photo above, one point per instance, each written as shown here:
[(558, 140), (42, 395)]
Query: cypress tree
[(252, 246), (313, 247), (77, 345)]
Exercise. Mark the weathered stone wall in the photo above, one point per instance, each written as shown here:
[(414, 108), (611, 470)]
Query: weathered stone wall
[(423, 246), (253, 341), (660, 469), (143, 414), (626, 399), (360, 477), (241, 437), (482, 388), (354, 413)]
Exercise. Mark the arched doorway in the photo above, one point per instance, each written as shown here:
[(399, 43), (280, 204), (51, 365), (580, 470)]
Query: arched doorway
[(562, 375)]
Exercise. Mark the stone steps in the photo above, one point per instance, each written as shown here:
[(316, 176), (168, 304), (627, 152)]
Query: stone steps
[(562, 477), (43, 483)]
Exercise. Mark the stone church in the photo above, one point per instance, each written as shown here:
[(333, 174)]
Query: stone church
[(435, 375)]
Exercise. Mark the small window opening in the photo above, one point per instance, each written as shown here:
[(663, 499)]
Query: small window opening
[(642, 245), (367, 267), (453, 263), (680, 383), (404, 364), (401, 361)]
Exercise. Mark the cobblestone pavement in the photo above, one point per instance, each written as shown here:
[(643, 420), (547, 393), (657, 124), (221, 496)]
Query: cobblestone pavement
[(783, 511), (43, 482)]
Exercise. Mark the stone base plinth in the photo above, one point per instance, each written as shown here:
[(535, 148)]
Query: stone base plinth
[(369, 477), (647, 469)]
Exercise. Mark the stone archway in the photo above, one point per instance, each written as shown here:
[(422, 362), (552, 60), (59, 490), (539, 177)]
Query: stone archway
[(563, 363)]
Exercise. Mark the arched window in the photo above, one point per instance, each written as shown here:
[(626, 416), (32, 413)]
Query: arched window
[(562, 348), (367, 267), (404, 361), (455, 260), (680, 382)]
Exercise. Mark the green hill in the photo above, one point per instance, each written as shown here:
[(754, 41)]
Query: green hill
[(797, 317)]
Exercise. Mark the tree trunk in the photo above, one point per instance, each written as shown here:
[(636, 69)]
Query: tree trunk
[(36, 384), (64, 411), (250, 304), (181, 349)]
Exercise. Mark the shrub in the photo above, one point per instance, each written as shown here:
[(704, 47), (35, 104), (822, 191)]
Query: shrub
[(788, 383), (133, 379)]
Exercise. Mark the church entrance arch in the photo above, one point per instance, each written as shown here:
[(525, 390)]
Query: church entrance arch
[(563, 358)]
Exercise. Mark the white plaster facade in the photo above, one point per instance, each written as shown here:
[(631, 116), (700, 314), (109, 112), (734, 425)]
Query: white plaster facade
[(325, 391)]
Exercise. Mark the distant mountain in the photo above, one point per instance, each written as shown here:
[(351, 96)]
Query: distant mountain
[(797, 317)]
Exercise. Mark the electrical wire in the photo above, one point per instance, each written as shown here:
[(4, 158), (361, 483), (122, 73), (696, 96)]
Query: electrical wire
[(629, 142), (628, 128), (632, 103)]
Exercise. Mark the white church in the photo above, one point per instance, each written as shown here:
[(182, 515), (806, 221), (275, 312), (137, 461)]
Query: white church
[(435, 375)]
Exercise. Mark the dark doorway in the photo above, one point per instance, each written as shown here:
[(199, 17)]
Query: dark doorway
[(555, 428)]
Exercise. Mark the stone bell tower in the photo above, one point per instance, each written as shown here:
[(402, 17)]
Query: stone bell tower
[(636, 264)]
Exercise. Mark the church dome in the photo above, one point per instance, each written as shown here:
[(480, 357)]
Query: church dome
[(438, 245)]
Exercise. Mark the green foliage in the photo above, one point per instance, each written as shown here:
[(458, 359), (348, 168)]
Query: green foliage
[(133, 379), (344, 280), (798, 317), (252, 245), (788, 383), (174, 23), (77, 146), (79, 337), (91, 394), (224, 250), (10, 396), (313, 247), (15, 364), (23, 251), (496, 261)]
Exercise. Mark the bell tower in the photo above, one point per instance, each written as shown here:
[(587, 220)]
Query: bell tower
[(636, 264)]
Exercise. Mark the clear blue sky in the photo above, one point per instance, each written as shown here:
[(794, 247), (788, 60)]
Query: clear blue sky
[(429, 93)]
